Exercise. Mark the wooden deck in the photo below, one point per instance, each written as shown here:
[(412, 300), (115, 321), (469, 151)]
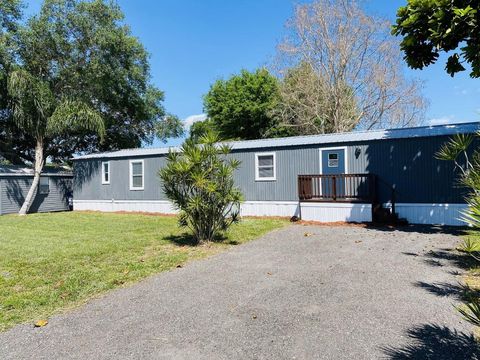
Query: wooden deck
[(350, 188)]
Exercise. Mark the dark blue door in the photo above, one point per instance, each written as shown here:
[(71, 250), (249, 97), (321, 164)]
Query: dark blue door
[(333, 163)]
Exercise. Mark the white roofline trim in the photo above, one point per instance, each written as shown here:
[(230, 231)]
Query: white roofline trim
[(340, 138), (31, 174)]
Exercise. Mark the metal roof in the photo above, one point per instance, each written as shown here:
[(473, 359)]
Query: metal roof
[(354, 136), (9, 170)]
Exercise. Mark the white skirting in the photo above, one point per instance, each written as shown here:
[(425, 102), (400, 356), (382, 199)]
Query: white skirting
[(435, 214), (153, 206), (322, 212), (432, 214), (336, 212), (270, 208)]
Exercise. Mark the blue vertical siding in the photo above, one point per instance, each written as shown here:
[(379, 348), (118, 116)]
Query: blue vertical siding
[(13, 190), (409, 164)]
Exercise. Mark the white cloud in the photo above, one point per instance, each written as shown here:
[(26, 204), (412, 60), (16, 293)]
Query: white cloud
[(441, 120), (188, 122)]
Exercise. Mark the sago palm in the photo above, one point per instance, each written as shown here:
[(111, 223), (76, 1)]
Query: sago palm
[(38, 112)]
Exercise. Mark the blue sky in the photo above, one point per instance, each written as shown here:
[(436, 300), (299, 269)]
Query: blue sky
[(192, 43)]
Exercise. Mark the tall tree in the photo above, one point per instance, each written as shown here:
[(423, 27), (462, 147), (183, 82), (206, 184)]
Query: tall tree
[(81, 78), (42, 114), (84, 50), (307, 107), (356, 60), (10, 15), (200, 129), (429, 27), (241, 107)]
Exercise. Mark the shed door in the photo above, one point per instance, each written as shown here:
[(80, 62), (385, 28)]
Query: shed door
[(333, 163)]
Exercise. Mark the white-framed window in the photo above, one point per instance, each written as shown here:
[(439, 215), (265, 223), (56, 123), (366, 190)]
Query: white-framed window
[(44, 185), (333, 160), (265, 168), (106, 172), (136, 175)]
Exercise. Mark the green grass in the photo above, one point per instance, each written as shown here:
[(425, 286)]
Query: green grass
[(471, 243), (52, 262)]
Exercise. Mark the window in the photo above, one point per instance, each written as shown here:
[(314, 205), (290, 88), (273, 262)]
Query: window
[(44, 185), (106, 172), (333, 160), (265, 167), (136, 175)]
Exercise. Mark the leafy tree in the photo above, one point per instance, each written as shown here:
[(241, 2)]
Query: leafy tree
[(83, 50), (240, 107), (10, 15), (170, 126), (200, 129), (355, 64), (429, 27), (42, 114), (198, 179)]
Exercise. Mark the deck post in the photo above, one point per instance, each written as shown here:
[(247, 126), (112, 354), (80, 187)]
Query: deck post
[(334, 188)]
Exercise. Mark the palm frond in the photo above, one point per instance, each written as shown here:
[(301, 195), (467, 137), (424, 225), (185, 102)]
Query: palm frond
[(471, 313), (75, 115), (454, 147), (32, 101)]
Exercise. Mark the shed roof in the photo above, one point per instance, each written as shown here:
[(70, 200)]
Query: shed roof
[(10, 170), (354, 136)]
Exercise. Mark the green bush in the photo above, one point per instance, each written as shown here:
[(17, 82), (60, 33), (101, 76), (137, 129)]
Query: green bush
[(198, 179)]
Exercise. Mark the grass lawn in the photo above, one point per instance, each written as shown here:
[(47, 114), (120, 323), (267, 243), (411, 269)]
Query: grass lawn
[(470, 291), (473, 266), (51, 262)]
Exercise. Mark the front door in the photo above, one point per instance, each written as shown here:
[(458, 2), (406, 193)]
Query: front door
[(333, 163)]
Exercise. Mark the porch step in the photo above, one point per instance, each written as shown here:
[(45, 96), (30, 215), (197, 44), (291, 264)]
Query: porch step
[(385, 216)]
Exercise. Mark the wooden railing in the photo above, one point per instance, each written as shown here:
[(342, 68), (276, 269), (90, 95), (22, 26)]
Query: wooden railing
[(338, 187)]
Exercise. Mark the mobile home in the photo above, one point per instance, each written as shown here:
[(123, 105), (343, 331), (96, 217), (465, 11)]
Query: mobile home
[(328, 178), (52, 194)]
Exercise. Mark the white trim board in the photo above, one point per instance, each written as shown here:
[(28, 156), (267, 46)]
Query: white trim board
[(257, 170), (345, 150), (130, 174), (104, 182)]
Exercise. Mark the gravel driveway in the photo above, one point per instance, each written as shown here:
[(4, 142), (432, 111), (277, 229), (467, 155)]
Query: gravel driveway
[(303, 292)]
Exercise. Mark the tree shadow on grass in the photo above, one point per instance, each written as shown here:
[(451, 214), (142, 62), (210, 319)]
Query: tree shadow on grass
[(431, 341), (187, 239), (458, 259)]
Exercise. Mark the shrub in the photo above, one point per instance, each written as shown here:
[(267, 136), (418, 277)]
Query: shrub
[(198, 179)]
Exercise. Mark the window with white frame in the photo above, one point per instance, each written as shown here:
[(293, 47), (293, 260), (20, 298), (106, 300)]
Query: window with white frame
[(44, 185), (333, 160), (136, 175), (265, 167), (106, 172)]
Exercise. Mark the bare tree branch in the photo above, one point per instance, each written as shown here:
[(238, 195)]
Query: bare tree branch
[(356, 77)]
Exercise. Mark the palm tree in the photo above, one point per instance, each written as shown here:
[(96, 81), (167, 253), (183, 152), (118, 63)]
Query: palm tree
[(40, 113)]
